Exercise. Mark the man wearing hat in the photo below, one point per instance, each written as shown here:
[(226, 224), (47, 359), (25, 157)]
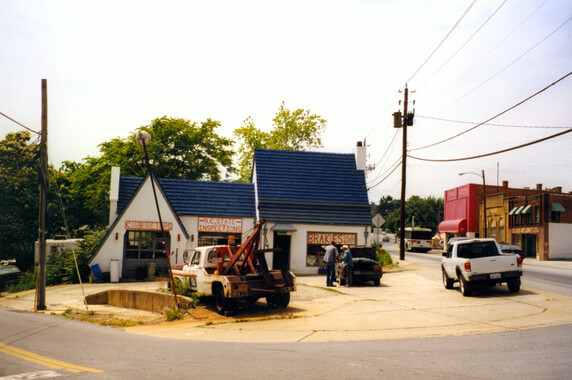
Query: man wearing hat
[(348, 260)]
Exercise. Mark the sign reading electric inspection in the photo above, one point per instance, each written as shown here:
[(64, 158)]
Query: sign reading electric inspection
[(228, 225)]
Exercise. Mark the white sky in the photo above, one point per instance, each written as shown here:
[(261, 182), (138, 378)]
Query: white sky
[(113, 66)]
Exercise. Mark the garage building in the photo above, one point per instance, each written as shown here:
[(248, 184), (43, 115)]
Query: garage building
[(306, 198)]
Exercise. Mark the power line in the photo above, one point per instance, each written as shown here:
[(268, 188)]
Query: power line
[(494, 153), (494, 125), (397, 165), (462, 46), (383, 114), (497, 115), (20, 124), (494, 48), (441, 43), (388, 147), (506, 67)]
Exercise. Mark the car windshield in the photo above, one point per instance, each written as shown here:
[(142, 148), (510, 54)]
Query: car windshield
[(477, 249)]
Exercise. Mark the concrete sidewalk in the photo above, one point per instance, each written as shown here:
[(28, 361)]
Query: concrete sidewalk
[(410, 303)]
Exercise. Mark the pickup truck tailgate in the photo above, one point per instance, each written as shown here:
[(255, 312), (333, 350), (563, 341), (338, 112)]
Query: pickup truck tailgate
[(494, 264)]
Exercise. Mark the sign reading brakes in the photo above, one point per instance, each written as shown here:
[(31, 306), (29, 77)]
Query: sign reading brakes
[(230, 225), (325, 238)]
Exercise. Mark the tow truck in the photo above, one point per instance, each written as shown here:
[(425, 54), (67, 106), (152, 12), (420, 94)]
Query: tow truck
[(234, 273)]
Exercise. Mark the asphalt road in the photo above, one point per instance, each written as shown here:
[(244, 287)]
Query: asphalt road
[(42, 345), (548, 277)]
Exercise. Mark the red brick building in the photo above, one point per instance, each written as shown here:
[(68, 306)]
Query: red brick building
[(539, 221)]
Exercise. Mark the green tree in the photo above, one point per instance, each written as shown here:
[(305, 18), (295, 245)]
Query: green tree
[(179, 149), (427, 212), (61, 268), (385, 207), (293, 130), (18, 198)]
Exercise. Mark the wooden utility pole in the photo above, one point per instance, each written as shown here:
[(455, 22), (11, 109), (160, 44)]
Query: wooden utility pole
[(43, 177), (403, 179)]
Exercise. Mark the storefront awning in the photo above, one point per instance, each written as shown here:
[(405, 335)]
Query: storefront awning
[(455, 226), (518, 210), (513, 210), (526, 210), (283, 227), (557, 207)]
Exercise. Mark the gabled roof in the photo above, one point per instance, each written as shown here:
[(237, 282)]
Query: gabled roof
[(310, 187), (190, 197)]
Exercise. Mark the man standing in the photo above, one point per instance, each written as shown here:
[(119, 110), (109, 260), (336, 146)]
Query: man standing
[(330, 260), (348, 260)]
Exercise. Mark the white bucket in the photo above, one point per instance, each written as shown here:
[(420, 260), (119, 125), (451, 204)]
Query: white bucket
[(114, 270)]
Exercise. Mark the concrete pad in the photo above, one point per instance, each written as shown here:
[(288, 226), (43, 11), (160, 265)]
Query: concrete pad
[(410, 303)]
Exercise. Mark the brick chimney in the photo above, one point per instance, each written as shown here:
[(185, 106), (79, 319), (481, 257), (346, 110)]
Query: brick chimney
[(539, 186), (558, 189), (505, 184)]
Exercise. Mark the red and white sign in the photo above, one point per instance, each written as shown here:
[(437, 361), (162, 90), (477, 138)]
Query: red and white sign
[(147, 226), (325, 238), (228, 225)]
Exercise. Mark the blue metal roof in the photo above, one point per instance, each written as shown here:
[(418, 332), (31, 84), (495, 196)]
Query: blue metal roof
[(293, 187), (311, 187), (190, 197)]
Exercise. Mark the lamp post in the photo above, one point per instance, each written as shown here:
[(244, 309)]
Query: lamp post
[(143, 138), (484, 199)]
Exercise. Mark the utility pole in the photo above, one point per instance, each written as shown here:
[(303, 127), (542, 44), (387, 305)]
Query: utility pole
[(403, 178), (43, 177), (484, 205)]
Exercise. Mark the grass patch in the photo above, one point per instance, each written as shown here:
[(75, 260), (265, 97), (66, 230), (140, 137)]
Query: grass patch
[(103, 319)]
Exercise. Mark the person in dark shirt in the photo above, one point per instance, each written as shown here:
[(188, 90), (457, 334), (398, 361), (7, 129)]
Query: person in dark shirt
[(348, 260), (330, 260)]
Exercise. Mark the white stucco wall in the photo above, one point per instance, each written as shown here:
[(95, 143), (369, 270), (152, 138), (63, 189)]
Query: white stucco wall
[(191, 224), (298, 243), (560, 235), (143, 209)]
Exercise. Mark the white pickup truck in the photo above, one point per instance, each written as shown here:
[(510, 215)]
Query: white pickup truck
[(479, 262)]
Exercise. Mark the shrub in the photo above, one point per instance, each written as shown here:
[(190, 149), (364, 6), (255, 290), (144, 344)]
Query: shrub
[(61, 267), (383, 257)]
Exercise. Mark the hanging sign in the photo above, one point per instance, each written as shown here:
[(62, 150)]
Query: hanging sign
[(325, 238), (147, 226), (228, 225)]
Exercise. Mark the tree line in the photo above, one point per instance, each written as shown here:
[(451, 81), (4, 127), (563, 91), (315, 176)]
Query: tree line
[(78, 196)]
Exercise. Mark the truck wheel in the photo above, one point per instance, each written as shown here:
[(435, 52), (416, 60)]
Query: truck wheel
[(376, 282), (278, 301), (221, 302), (447, 282), (514, 286), (465, 288)]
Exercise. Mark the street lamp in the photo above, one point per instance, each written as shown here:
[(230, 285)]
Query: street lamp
[(143, 138), (484, 199)]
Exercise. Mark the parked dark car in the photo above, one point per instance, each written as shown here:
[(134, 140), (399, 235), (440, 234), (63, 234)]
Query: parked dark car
[(366, 268), (385, 239), (9, 274), (509, 248)]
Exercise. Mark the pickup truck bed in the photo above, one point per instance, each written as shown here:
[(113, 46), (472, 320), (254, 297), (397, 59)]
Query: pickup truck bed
[(479, 262)]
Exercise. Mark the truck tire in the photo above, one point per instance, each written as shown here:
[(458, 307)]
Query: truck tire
[(513, 285), (447, 282), (465, 287), (377, 282), (278, 300), (222, 303)]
